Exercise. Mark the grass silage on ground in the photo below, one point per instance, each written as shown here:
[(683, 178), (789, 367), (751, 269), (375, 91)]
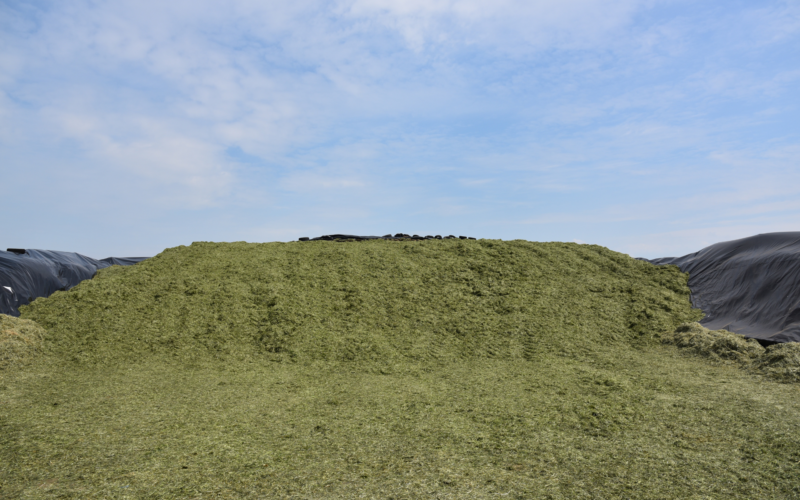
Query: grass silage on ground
[(20, 341), (778, 361), (451, 369)]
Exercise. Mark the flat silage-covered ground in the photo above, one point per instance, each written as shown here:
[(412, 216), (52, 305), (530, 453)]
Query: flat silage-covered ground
[(449, 369)]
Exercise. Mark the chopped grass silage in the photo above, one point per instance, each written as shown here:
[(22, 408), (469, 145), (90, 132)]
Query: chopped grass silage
[(453, 369), (624, 423), (20, 341), (719, 345), (781, 361), (778, 361), (377, 300)]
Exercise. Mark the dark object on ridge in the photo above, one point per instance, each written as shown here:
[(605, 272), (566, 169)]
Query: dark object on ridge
[(346, 237), (398, 236), (749, 286), (28, 274)]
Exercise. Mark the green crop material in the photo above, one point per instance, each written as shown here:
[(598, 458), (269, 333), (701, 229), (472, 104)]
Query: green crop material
[(375, 300), (20, 341), (779, 361), (720, 345), (452, 369)]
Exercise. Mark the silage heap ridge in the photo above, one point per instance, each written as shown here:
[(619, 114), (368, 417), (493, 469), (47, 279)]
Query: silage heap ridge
[(368, 301)]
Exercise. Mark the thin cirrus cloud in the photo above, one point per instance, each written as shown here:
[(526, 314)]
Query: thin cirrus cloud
[(612, 123), (508, 26)]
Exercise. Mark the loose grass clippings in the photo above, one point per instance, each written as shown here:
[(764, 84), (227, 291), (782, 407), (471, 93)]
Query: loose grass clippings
[(20, 341), (778, 361)]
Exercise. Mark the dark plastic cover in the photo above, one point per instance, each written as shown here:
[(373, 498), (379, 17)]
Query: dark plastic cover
[(29, 274), (749, 286)]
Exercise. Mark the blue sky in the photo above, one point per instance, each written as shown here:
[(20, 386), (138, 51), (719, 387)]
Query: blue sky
[(654, 128)]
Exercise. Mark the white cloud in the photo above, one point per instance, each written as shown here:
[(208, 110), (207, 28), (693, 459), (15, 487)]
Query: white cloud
[(195, 170), (174, 160), (474, 182), (313, 182), (499, 23)]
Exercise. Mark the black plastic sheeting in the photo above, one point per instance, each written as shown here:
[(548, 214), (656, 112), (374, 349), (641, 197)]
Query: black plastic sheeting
[(749, 286), (398, 237), (28, 274)]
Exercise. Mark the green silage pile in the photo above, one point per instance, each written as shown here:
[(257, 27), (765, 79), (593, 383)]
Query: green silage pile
[(382, 369), (369, 301)]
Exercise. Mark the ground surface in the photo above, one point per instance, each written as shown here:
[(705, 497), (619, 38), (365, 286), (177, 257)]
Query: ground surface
[(653, 424)]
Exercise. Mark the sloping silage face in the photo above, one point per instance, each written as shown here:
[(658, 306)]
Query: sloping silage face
[(370, 300)]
